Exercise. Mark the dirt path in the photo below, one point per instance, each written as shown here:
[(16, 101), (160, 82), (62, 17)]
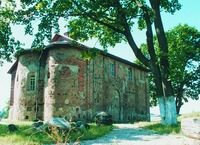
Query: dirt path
[(129, 134)]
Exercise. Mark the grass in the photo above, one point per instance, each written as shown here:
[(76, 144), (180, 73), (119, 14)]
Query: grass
[(194, 114), (96, 131), (23, 136), (26, 136), (163, 129)]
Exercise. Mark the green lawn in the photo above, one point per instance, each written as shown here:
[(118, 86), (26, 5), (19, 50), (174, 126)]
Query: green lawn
[(162, 129), (26, 136)]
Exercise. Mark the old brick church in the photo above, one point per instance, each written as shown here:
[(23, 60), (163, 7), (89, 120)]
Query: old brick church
[(58, 82)]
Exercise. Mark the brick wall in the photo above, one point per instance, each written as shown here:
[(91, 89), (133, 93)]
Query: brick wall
[(69, 86)]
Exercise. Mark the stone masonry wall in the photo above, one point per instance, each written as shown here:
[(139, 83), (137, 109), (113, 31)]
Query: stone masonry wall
[(77, 89), (66, 85), (24, 99), (125, 99)]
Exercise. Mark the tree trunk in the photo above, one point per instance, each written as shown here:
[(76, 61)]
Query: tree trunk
[(178, 103), (162, 107), (171, 116), (159, 68), (166, 100), (167, 110), (179, 97)]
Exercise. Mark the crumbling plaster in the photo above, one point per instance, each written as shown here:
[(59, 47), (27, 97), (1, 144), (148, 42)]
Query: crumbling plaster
[(69, 86)]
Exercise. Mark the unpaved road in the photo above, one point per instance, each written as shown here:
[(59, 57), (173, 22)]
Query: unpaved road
[(130, 134)]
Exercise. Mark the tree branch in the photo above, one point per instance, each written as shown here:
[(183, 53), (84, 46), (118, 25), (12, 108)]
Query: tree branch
[(130, 39), (149, 32), (107, 25), (91, 15)]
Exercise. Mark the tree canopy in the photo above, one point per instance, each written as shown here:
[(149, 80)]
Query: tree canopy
[(184, 51), (111, 22), (8, 44)]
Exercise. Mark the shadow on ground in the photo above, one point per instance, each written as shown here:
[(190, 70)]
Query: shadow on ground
[(128, 134)]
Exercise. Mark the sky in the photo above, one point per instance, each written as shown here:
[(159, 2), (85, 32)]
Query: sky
[(189, 14)]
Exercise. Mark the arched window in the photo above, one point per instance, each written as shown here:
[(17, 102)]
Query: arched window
[(32, 83), (112, 69)]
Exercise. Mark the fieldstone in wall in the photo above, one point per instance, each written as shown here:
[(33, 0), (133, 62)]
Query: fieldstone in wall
[(73, 68), (77, 88), (66, 101), (61, 123)]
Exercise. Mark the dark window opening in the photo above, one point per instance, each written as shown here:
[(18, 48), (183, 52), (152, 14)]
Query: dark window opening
[(112, 69), (32, 83), (129, 74)]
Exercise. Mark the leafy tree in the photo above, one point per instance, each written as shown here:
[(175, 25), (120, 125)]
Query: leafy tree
[(5, 111), (184, 51), (2, 112), (184, 60), (111, 22), (8, 45)]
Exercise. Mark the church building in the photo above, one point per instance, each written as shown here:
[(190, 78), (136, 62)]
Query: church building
[(58, 82)]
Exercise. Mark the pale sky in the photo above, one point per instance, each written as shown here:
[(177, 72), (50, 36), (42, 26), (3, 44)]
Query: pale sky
[(189, 14)]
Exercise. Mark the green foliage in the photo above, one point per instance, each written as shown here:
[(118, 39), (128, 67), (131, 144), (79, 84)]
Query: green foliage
[(95, 132), (8, 44), (109, 21), (163, 129), (90, 54), (170, 6), (102, 19), (59, 136), (5, 111), (184, 46), (2, 113), (22, 136)]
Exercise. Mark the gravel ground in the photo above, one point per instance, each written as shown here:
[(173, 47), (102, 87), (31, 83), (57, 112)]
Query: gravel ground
[(130, 134)]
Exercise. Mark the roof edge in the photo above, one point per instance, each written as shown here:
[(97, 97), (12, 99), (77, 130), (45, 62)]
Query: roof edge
[(83, 47), (13, 67)]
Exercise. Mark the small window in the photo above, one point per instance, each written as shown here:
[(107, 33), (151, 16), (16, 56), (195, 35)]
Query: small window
[(112, 69), (77, 109), (129, 74), (32, 83)]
